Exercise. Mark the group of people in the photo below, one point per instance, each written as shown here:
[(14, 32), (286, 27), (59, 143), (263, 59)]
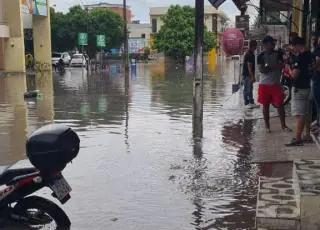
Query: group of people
[(296, 62)]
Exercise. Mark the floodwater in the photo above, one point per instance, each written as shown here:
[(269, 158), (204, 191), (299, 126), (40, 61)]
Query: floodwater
[(138, 167)]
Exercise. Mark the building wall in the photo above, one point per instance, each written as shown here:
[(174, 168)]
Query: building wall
[(211, 15), (117, 8), (119, 11), (137, 30)]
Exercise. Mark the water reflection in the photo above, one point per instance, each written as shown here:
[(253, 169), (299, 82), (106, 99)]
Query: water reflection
[(13, 122), (89, 101), (169, 180)]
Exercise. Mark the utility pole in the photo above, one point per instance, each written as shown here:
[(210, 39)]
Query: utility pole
[(198, 71), (125, 32)]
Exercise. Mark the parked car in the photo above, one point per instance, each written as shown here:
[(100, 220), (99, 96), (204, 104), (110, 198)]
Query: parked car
[(78, 60), (57, 56)]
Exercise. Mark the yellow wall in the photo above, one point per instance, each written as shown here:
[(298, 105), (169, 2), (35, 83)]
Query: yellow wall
[(13, 134), (44, 84), (42, 39), (14, 46), (297, 16)]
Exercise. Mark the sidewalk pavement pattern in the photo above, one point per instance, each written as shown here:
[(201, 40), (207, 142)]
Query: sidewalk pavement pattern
[(288, 194)]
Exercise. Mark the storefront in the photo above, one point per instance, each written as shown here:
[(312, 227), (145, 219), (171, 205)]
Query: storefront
[(315, 16)]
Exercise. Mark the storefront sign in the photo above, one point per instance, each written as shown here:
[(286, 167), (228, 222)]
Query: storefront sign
[(136, 45), (40, 7), (27, 6), (35, 7)]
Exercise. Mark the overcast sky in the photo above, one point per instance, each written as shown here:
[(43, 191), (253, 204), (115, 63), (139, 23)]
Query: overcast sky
[(140, 8)]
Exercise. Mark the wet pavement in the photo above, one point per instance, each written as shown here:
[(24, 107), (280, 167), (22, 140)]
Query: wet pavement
[(138, 167)]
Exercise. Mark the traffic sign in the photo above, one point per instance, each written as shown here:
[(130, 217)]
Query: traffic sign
[(82, 39), (101, 40)]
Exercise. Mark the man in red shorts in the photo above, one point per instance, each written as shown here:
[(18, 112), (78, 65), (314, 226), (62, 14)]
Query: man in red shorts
[(270, 90)]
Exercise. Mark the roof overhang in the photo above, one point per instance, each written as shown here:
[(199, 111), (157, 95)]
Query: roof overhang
[(279, 5), (239, 3)]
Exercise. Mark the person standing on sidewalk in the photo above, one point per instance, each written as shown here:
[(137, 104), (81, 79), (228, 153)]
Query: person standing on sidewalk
[(316, 78), (248, 73), (301, 71), (270, 90)]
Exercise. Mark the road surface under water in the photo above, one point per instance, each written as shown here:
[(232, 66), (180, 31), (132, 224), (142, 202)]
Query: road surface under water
[(138, 167)]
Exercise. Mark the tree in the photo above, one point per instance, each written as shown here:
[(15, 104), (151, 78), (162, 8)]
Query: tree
[(176, 36), (65, 28)]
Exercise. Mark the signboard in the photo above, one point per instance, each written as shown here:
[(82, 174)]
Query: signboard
[(35, 7), (27, 6), (136, 45), (101, 40), (216, 3), (242, 23), (40, 7), (82, 39)]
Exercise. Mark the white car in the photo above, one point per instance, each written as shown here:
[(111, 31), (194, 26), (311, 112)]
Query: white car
[(78, 60), (57, 56)]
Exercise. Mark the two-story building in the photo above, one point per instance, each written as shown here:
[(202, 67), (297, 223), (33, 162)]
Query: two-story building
[(12, 48), (117, 8), (214, 19)]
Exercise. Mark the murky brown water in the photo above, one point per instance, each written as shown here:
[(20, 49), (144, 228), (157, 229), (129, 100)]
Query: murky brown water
[(138, 167)]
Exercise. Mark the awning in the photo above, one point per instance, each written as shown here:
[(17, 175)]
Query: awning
[(216, 3), (238, 3), (278, 5)]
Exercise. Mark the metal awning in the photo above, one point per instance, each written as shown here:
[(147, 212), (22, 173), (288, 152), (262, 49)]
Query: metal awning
[(238, 3), (278, 5), (270, 5)]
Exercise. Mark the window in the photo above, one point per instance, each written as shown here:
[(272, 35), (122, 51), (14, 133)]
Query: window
[(154, 25), (143, 35), (214, 23)]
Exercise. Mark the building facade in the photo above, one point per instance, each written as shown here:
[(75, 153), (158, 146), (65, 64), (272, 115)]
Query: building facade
[(139, 36), (117, 8), (12, 48), (213, 19)]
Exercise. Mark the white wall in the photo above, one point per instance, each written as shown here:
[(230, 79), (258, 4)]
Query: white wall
[(136, 30), (27, 21)]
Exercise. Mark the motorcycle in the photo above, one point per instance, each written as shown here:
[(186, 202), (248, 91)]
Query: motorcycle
[(61, 67), (49, 149)]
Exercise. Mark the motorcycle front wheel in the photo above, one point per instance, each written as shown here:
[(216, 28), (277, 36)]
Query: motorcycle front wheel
[(39, 213)]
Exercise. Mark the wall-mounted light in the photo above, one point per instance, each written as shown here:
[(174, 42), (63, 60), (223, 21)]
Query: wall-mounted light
[(12, 44)]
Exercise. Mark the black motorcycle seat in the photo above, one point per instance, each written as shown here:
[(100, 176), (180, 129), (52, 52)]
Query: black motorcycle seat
[(8, 174)]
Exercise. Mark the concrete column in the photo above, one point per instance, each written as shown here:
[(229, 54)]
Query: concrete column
[(44, 84), (14, 60), (297, 16), (42, 40)]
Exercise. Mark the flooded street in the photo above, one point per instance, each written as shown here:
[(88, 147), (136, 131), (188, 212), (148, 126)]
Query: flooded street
[(138, 167)]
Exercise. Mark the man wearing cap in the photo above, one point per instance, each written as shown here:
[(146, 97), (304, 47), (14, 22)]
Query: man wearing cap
[(301, 71), (270, 90)]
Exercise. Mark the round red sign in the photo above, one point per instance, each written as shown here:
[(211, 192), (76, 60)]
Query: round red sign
[(232, 41)]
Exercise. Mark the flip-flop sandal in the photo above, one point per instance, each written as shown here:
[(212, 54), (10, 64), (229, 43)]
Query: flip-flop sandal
[(308, 140), (287, 129), (294, 143)]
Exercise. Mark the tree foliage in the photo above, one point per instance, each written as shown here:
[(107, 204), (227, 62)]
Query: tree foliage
[(65, 28), (176, 36)]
